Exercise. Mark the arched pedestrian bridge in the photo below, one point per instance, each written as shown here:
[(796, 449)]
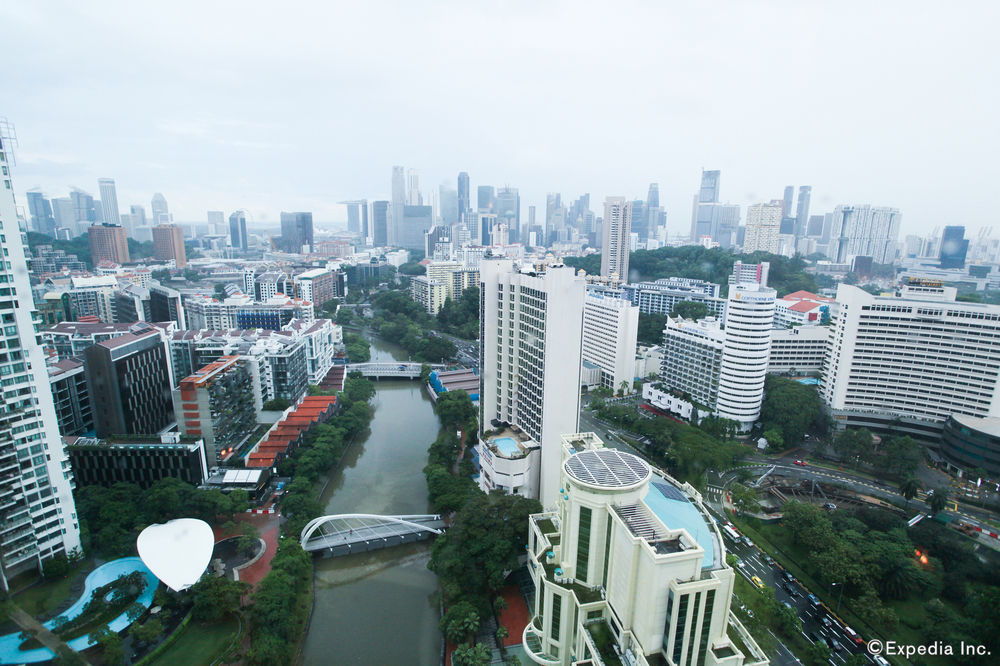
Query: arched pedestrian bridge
[(360, 532), (380, 370)]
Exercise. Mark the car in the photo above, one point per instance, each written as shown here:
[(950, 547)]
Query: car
[(834, 645), (853, 635), (768, 559), (800, 463), (814, 600), (740, 562), (793, 592), (880, 660), (788, 605), (747, 541), (829, 506), (827, 622), (788, 576), (758, 582)]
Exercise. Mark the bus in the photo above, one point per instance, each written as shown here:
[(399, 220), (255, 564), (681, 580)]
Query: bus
[(731, 533)]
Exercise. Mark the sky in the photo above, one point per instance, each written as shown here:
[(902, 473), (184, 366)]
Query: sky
[(274, 106)]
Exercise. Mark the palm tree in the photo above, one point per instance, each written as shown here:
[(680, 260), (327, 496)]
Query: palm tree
[(908, 489), (939, 500)]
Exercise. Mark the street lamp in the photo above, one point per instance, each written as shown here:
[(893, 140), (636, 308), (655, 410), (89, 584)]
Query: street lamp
[(840, 596)]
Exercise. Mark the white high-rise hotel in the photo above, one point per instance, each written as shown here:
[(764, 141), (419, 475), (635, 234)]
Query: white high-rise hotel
[(530, 349), (616, 241), (37, 514), (749, 319), (912, 358)]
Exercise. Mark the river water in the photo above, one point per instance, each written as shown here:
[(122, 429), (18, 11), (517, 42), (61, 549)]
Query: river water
[(380, 607)]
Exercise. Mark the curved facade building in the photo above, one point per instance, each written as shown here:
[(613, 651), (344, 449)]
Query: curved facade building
[(745, 356), (972, 443)]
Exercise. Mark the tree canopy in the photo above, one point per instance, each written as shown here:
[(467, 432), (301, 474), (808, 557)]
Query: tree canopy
[(651, 327), (689, 310), (791, 408)]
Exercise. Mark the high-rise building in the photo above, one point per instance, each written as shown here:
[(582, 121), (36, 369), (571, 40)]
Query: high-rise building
[(507, 206), (763, 228), (786, 202), (448, 205), (416, 221), (109, 200), (297, 232), (414, 197), (138, 214), (485, 198), (749, 319), (864, 231), (382, 217), (398, 203), (463, 195), (954, 247), (906, 361), (238, 230), (168, 243), (617, 228), (216, 222), (610, 331), (108, 243), (130, 381), (692, 358), (158, 208), (357, 218), (802, 212), (661, 296), (219, 403), (64, 213), (37, 513), (40, 210), (531, 328), (708, 193), (635, 557), (750, 273)]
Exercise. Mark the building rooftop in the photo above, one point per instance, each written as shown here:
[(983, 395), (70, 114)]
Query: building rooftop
[(988, 425), (676, 510), (607, 468)]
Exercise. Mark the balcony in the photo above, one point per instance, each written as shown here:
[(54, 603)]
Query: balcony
[(533, 642)]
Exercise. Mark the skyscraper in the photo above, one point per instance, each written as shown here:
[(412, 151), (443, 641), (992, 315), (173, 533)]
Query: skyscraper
[(238, 230), (381, 222), (802, 214), (84, 210), (417, 221), (37, 513), (40, 210), (786, 209), (357, 217), (168, 243), (864, 231), (463, 195), (954, 247), (109, 200), (297, 232), (398, 202), (702, 215), (763, 227), (138, 214), (508, 209), (615, 247), (158, 206), (108, 243), (448, 209), (216, 222), (414, 197), (530, 367), (485, 198)]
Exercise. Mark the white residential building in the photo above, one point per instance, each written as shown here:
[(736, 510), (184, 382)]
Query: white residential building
[(798, 350), (692, 358), (763, 227), (37, 513), (749, 319), (242, 311), (617, 230), (916, 356), (93, 297), (610, 330), (635, 558), (530, 348), (864, 231), (431, 294), (443, 280)]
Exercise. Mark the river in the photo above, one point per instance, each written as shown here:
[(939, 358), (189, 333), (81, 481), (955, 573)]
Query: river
[(380, 607)]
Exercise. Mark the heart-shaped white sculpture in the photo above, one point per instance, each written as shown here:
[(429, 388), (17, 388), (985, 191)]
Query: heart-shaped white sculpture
[(177, 552)]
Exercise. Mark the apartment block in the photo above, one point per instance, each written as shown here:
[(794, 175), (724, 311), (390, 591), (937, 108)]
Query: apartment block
[(799, 350), (610, 331), (142, 461)]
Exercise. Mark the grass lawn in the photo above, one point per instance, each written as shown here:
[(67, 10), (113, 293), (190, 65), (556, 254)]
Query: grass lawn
[(199, 643), (46, 595)]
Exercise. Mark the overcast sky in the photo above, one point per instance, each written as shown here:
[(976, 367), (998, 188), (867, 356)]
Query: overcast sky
[(277, 106)]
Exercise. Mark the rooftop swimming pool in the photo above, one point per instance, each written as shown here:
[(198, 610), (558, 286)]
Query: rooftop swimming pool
[(507, 446), (10, 652), (676, 511)]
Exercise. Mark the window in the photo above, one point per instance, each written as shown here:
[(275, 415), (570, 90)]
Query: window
[(583, 543)]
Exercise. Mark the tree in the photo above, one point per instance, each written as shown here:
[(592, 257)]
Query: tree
[(746, 500), (908, 489), (276, 405), (358, 349), (690, 310), (425, 373), (344, 316), (901, 455), (220, 291), (502, 633), (474, 655), (460, 622), (111, 645), (854, 444), (56, 566), (216, 596), (939, 500), (775, 439), (148, 632), (651, 327), (790, 408), (455, 410)]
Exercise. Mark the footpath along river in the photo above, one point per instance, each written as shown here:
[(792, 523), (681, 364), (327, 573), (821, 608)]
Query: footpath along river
[(380, 607)]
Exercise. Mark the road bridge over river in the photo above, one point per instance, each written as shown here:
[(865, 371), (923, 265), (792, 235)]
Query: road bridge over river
[(361, 532)]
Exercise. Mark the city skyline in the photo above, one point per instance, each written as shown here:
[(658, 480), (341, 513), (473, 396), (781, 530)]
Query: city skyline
[(850, 153)]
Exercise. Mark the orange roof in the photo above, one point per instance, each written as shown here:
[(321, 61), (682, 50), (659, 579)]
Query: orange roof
[(803, 295), (805, 306)]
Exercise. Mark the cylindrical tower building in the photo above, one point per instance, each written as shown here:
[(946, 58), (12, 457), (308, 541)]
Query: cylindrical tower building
[(749, 319)]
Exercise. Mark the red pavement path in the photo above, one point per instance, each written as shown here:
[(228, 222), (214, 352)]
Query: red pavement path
[(267, 525), (515, 617)]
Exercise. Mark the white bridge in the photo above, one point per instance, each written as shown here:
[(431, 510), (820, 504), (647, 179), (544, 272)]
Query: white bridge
[(360, 532), (379, 370)]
